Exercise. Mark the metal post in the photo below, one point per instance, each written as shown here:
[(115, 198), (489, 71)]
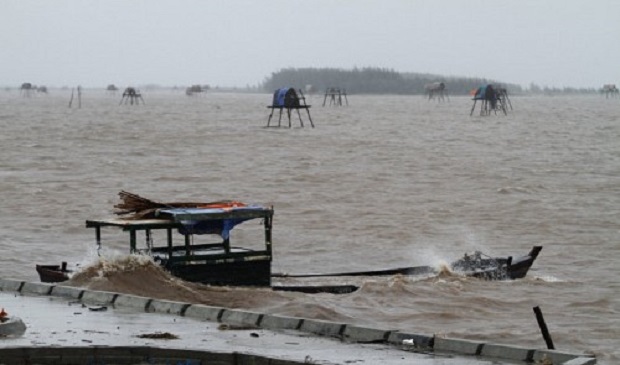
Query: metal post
[(149, 240), (268, 228), (187, 243), (543, 328), (169, 243), (132, 241)]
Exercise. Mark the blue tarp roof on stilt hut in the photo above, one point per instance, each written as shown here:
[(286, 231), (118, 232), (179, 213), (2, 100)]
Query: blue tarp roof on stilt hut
[(285, 97)]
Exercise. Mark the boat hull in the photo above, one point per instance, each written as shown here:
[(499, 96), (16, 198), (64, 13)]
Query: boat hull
[(239, 273), (496, 268), (257, 272), (489, 268), (53, 273)]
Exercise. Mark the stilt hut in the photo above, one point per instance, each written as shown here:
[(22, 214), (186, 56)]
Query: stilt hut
[(436, 90), (195, 90), (610, 91), (111, 89), (131, 95), (492, 98), (289, 99), (335, 95), (26, 89)]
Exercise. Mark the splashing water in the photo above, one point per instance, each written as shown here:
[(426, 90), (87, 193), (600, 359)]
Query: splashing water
[(105, 266)]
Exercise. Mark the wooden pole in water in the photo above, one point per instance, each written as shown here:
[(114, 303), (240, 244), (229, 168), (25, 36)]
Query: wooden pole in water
[(543, 328), (71, 101)]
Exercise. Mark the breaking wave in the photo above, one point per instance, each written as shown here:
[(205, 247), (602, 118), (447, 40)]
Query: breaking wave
[(140, 275)]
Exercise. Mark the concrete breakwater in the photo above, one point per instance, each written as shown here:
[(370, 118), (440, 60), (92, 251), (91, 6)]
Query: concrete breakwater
[(348, 334)]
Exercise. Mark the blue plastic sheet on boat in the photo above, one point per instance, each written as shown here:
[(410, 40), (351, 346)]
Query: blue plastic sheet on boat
[(220, 227)]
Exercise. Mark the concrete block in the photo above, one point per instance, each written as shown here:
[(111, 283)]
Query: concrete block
[(322, 328), (167, 355), (37, 288), (464, 347), (362, 334), (557, 357), (11, 285), (12, 355), (421, 341), (99, 297), (167, 307), (131, 301), (99, 354), (42, 359), (204, 312), (250, 359), (14, 326), (284, 362), (100, 359), (507, 352), (274, 322), (67, 292), (581, 361), (39, 353), (239, 317)]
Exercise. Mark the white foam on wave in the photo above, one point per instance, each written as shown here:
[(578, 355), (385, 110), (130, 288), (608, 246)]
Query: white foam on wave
[(548, 279), (111, 260)]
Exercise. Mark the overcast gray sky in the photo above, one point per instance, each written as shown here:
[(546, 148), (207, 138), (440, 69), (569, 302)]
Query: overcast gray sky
[(240, 42)]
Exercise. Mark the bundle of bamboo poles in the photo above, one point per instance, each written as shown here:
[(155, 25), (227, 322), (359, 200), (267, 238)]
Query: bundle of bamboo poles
[(133, 206)]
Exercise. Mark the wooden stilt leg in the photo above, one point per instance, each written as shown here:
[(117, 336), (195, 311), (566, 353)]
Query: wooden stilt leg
[(508, 100), (472, 108), (280, 118), (270, 115), (309, 118), (288, 113), (300, 121)]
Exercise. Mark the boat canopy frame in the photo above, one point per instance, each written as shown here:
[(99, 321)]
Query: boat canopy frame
[(176, 219)]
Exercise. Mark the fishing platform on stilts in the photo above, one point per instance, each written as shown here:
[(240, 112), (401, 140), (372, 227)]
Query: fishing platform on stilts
[(132, 96), (289, 99), (492, 98), (335, 95)]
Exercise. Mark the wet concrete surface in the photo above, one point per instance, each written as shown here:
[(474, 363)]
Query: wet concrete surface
[(54, 321)]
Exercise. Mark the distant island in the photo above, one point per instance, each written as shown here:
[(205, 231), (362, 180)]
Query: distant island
[(386, 81), (372, 81)]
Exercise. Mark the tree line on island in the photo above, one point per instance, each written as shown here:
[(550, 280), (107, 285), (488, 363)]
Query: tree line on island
[(372, 80)]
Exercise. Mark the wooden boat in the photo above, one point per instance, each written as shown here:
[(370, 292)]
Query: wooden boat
[(53, 273), (496, 268), (474, 265), (213, 263), (193, 258)]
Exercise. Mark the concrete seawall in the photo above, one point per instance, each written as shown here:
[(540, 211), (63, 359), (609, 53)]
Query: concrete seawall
[(345, 332)]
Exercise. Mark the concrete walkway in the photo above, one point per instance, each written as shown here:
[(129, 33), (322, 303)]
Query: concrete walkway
[(65, 317)]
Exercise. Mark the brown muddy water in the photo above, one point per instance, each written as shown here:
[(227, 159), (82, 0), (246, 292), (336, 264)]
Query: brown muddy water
[(385, 182)]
